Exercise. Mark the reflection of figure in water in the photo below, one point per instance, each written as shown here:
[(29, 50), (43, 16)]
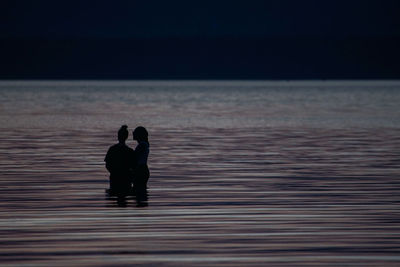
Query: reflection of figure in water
[(141, 171), (118, 163)]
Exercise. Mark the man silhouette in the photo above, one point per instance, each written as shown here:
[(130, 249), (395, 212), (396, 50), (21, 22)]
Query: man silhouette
[(119, 163)]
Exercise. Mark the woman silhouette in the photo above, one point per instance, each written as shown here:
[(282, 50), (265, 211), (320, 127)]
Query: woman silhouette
[(118, 163), (141, 170)]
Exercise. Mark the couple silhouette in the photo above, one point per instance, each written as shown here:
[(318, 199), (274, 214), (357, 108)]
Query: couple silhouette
[(128, 168)]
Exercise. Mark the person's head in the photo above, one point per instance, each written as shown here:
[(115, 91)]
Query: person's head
[(140, 134), (123, 133)]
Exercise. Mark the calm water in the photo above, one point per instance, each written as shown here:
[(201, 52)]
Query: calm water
[(242, 173)]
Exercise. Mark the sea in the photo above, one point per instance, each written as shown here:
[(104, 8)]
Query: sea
[(243, 173)]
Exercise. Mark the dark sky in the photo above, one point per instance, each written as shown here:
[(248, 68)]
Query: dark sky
[(282, 39)]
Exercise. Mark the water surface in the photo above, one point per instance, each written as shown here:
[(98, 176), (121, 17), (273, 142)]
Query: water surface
[(242, 173)]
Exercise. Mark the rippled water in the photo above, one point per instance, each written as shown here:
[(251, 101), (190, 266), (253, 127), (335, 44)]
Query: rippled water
[(242, 173)]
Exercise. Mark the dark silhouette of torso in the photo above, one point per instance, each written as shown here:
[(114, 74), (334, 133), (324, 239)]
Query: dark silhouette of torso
[(141, 171), (119, 163)]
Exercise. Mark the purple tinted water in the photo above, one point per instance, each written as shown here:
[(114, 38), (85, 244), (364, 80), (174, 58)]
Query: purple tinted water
[(242, 173)]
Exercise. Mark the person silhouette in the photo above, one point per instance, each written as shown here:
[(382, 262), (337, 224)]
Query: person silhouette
[(140, 168), (118, 162)]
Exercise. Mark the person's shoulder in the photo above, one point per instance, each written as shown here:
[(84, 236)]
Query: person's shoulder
[(111, 152), (113, 147), (144, 144), (123, 148), (141, 145)]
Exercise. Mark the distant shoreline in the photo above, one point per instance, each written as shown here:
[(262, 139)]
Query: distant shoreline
[(207, 81)]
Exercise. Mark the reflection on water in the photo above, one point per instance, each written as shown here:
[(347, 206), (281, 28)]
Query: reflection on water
[(217, 196), (171, 104), (276, 193)]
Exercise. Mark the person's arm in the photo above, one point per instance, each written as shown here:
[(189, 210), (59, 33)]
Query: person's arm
[(107, 159), (132, 160), (141, 154)]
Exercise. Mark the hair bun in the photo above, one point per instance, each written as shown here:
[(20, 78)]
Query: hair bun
[(124, 127)]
